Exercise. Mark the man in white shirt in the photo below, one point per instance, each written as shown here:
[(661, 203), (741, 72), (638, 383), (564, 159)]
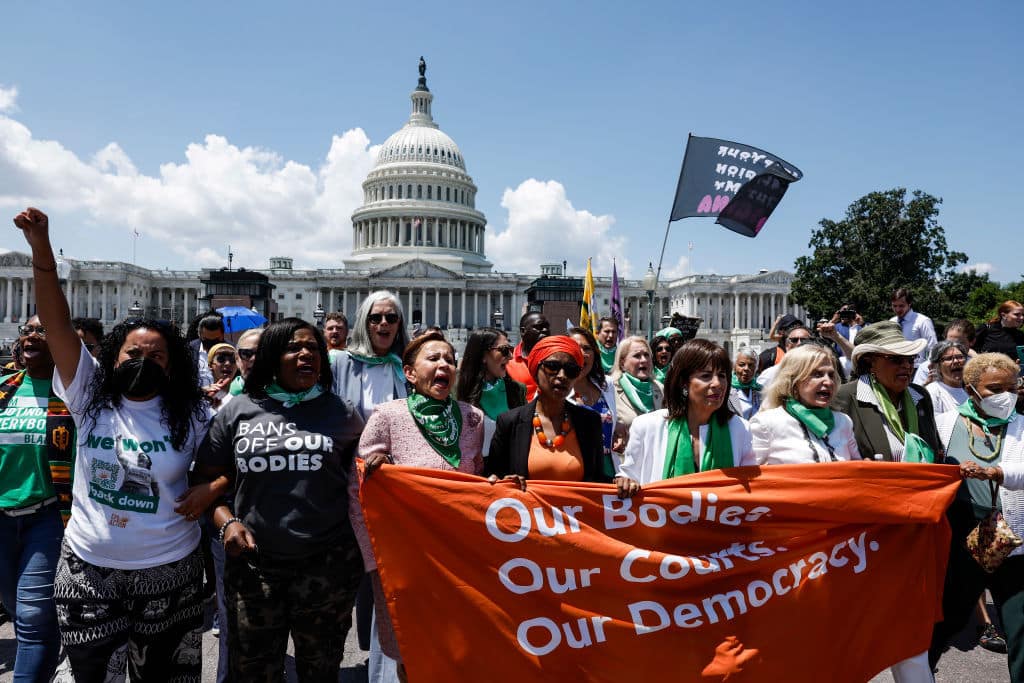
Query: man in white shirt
[(914, 325)]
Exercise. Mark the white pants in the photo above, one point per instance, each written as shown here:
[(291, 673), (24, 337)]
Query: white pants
[(913, 670)]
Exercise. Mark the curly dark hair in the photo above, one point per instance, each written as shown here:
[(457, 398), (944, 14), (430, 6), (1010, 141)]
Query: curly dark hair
[(470, 383), (273, 342), (692, 357), (182, 399)]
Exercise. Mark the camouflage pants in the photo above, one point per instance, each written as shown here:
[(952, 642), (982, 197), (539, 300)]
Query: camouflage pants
[(156, 612), (311, 600)]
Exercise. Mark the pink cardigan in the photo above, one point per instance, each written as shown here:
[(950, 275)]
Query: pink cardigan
[(392, 430)]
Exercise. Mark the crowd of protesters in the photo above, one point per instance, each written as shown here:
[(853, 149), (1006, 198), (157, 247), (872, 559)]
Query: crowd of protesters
[(160, 463)]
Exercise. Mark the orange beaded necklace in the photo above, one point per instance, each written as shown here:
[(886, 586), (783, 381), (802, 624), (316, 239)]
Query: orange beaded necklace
[(559, 440)]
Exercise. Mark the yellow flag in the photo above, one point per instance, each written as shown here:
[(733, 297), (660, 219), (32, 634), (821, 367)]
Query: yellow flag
[(588, 317)]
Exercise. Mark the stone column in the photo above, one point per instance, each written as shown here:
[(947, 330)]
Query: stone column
[(408, 308), (450, 323), (462, 300), (487, 313), (476, 309), (735, 310), (437, 306), (10, 299)]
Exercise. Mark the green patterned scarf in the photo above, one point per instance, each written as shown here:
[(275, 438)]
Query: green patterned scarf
[(639, 393), (819, 421), (679, 451), (440, 423), (915, 449)]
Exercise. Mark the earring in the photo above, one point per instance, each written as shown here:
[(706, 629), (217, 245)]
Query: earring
[(686, 392)]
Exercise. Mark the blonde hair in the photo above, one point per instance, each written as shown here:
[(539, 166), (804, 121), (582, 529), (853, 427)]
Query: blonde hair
[(622, 350), (253, 332), (976, 367), (796, 366)]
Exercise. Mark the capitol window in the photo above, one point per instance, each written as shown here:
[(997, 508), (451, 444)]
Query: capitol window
[(399, 191), (430, 192), (391, 191)]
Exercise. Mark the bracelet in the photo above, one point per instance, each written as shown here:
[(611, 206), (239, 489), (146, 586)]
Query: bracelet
[(224, 527), (45, 270)]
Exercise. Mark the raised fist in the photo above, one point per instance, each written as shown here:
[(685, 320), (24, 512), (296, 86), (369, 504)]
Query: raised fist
[(35, 225)]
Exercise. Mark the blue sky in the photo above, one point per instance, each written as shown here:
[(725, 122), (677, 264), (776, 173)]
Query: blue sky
[(252, 124)]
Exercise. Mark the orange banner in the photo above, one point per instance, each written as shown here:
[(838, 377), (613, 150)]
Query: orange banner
[(785, 573)]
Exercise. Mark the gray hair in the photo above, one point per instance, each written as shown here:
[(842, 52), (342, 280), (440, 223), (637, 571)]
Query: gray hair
[(359, 335), (749, 353), (940, 348)]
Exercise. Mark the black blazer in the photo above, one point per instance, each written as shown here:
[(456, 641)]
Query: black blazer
[(869, 423), (513, 435)]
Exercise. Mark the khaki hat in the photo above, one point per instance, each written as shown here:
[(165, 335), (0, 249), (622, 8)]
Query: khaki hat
[(217, 348), (885, 337)]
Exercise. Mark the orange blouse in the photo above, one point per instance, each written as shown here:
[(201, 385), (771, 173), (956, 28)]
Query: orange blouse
[(560, 464)]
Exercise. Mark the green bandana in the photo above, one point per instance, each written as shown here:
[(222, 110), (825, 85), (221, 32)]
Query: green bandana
[(290, 399), (679, 450), (237, 386), (752, 385), (968, 410), (915, 449), (819, 421), (639, 393), (440, 423), (494, 399), (660, 374), (391, 359), (607, 358)]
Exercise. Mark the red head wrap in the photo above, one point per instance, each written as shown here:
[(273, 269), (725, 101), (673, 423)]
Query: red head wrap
[(547, 346)]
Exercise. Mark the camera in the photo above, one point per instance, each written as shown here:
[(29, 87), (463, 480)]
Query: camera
[(847, 313)]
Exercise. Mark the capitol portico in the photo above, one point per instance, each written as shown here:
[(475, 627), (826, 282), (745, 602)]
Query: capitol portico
[(419, 235)]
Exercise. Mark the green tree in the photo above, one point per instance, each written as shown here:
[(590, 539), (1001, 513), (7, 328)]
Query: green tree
[(968, 295), (884, 242)]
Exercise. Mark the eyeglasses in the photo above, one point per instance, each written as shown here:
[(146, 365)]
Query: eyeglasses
[(224, 358), (376, 318), (899, 360), (246, 354), (505, 350), (553, 367), (953, 359), (26, 330), (797, 341)]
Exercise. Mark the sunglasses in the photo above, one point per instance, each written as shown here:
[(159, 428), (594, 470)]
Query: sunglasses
[(246, 354), (553, 367), (224, 358), (505, 350), (376, 318), (797, 341), (898, 360), (26, 330)]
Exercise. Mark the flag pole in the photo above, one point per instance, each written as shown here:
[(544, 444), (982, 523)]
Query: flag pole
[(668, 226)]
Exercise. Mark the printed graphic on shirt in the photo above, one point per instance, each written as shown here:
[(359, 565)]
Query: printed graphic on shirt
[(126, 480), (259, 445)]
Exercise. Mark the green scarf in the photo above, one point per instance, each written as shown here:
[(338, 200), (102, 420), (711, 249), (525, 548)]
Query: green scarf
[(440, 423), (660, 374), (639, 393), (237, 386), (494, 398), (290, 398), (679, 450), (819, 421), (607, 358), (968, 410), (752, 385), (391, 359), (915, 449)]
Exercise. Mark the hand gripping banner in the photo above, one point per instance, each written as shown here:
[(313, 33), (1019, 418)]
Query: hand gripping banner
[(785, 573)]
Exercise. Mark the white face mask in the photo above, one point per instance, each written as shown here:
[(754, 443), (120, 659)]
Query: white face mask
[(999, 406)]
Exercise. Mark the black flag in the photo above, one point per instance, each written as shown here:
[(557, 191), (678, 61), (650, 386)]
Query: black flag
[(739, 184)]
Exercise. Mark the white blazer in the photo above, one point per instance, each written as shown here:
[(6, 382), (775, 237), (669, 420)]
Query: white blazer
[(778, 439), (1011, 492), (644, 458)]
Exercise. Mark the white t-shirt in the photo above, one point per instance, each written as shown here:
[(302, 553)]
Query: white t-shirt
[(378, 382), (127, 476)]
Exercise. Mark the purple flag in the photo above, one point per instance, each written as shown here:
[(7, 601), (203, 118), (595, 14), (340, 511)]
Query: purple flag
[(617, 302)]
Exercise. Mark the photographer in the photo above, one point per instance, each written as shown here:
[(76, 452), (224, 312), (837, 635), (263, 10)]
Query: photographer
[(848, 322)]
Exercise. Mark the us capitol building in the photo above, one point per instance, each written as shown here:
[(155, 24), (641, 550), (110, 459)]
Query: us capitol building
[(419, 235)]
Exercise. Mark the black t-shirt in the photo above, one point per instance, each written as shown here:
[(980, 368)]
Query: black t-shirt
[(291, 469), (995, 337)]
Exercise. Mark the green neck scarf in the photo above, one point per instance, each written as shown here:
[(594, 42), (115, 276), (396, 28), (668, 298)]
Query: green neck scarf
[(660, 374), (290, 398), (440, 423), (391, 359), (679, 451), (915, 449), (607, 358), (494, 398), (819, 421), (968, 410), (639, 393), (752, 385)]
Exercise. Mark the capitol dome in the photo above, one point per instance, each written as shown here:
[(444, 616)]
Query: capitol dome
[(418, 201)]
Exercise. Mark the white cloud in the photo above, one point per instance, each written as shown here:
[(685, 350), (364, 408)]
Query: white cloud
[(220, 194), (980, 268), (8, 99), (678, 270), (544, 227)]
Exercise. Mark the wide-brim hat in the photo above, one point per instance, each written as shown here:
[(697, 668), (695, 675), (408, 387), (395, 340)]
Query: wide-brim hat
[(885, 337)]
